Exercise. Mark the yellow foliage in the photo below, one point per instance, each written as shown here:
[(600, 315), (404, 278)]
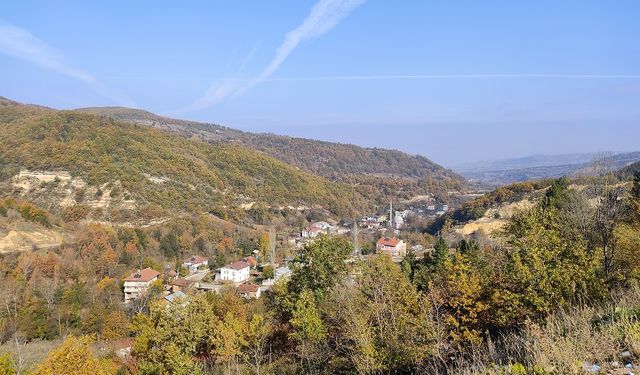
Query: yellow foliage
[(74, 357)]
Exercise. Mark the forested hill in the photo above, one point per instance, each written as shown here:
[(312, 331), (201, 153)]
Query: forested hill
[(630, 170), (327, 159), (152, 167)]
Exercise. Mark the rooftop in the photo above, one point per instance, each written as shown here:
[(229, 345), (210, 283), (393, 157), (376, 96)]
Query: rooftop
[(144, 275), (248, 288), (237, 265), (386, 241)]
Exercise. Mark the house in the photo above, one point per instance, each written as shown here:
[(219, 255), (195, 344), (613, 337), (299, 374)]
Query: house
[(391, 246), (175, 296), (195, 262), (180, 284), (252, 261), (311, 232), (237, 272), (249, 291), (138, 283), (317, 228), (279, 273)]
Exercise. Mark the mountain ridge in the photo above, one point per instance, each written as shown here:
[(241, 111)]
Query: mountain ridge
[(153, 167), (337, 158)]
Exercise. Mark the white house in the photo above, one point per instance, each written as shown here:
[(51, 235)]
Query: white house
[(391, 246), (138, 283), (194, 262), (249, 291), (236, 272), (317, 228)]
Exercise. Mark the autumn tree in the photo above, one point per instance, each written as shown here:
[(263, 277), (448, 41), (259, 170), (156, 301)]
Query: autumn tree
[(319, 265), (74, 357)]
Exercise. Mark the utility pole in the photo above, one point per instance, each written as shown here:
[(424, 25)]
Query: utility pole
[(390, 213), (356, 245)]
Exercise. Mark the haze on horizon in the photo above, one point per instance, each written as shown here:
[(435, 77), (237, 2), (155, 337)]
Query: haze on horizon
[(454, 81)]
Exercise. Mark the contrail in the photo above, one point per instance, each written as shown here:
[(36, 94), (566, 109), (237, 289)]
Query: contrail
[(21, 44), (324, 16), (457, 76)]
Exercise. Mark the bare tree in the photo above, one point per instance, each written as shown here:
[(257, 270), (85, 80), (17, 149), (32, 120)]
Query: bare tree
[(609, 211), (21, 355), (578, 214)]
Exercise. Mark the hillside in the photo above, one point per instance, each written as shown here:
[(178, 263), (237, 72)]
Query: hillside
[(630, 170), (323, 158), (113, 165)]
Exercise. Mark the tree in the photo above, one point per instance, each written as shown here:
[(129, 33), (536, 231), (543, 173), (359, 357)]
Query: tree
[(308, 331), (257, 341), (74, 357), (542, 271), (268, 272), (319, 266), (557, 194), (7, 366), (440, 253), (382, 324), (464, 302), (169, 245), (609, 214)]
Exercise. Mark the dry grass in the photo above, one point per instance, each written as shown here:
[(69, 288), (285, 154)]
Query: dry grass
[(564, 344), (30, 353)]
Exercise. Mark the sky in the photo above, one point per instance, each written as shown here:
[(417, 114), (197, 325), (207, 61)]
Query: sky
[(456, 81)]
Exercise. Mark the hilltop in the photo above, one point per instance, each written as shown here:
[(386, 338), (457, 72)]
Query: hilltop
[(94, 163), (327, 159)]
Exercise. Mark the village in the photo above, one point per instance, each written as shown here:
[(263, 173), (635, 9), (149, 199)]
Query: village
[(251, 276)]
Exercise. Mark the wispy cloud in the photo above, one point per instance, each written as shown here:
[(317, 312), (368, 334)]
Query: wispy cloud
[(20, 43), (324, 16)]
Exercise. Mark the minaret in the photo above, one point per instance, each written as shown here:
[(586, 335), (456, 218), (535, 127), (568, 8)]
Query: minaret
[(390, 213), (272, 244)]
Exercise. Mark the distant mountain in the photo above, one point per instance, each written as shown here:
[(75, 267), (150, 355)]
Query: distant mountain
[(107, 164), (503, 172), (327, 159), (525, 162)]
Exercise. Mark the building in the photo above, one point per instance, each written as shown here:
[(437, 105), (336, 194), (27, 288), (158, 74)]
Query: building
[(251, 261), (180, 296), (280, 272), (237, 272), (317, 228), (180, 284), (249, 291), (391, 246), (311, 232), (138, 283), (195, 262)]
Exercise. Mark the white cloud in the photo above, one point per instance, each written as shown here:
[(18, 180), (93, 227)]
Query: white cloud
[(20, 43), (324, 16)]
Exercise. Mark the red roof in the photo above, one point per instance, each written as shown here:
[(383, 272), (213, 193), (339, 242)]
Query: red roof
[(144, 275), (181, 282), (388, 241), (238, 265), (248, 288), (251, 260), (196, 259)]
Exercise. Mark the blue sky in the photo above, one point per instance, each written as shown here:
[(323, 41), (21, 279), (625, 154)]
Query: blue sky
[(456, 81)]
